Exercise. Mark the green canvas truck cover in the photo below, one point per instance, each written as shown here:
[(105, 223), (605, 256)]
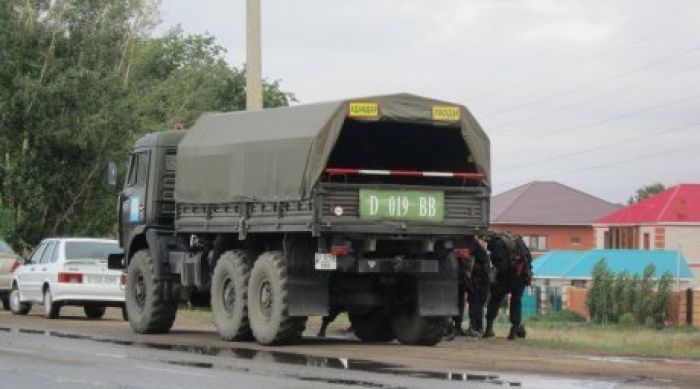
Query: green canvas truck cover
[(279, 154)]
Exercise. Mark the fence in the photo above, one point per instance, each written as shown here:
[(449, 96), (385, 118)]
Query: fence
[(683, 309)]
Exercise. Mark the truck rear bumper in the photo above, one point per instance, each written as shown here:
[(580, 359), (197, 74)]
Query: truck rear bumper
[(387, 265)]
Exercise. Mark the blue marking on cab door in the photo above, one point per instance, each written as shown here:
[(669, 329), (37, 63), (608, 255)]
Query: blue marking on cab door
[(134, 210)]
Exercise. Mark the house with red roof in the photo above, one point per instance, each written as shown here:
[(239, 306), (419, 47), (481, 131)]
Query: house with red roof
[(549, 216), (669, 220)]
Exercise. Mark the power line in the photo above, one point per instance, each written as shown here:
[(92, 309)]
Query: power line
[(598, 148), (593, 83), (614, 49), (606, 165), (595, 98), (611, 119)]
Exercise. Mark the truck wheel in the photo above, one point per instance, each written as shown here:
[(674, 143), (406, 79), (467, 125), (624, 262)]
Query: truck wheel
[(51, 309), (412, 329), (94, 311), (148, 309), (372, 327), (16, 306), (268, 305), (229, 288)]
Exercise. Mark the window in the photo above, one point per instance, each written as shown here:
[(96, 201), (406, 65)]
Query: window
[(536, 242), (56, 250), (91, 250), (142, 172), (138, 169), (6, 249), (575, 240), (170, 161), (36, 255), (46, 255)]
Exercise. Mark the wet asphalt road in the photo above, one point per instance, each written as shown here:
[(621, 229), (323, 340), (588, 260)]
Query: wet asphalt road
[(31, 358), (47, 359)]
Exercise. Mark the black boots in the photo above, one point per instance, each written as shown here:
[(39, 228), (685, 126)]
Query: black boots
[(516, 332), (489, 330)]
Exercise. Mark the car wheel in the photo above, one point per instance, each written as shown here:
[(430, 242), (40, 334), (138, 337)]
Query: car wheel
[(94, 311), (16, 306), (51, 309)]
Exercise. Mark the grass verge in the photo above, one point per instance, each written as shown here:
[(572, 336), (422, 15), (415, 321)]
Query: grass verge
[(614, 339)]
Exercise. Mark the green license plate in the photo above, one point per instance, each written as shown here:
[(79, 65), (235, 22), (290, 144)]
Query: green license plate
[(402, 205)]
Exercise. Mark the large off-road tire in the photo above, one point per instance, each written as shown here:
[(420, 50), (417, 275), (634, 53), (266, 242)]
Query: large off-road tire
[(229, 290), (94, 311), (372, 327), (17, 307), (412, 329), (268, 305), (148, 309), (51, 309)]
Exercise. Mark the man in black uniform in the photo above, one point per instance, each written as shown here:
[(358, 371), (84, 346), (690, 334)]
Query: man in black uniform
[(472, 279), (513, 264), (477, 286)]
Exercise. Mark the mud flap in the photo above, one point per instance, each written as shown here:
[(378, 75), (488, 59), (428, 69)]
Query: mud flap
[(307, 289), (160, 242), (308, 296), (437, 292)]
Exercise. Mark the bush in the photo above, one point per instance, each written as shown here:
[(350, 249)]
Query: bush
[(628, 320), (628, 300)]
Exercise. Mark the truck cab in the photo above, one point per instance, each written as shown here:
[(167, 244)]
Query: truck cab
[(147, 199)]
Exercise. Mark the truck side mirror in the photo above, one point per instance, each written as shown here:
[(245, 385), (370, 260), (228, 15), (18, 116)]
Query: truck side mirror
[(115, 261), (111, 173)]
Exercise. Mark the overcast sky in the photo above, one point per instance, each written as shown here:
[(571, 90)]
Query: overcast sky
[(600, 95)]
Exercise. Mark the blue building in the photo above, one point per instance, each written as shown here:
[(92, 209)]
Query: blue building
[(575, 268)]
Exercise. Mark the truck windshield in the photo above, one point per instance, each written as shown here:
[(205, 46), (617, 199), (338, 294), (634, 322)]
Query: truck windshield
[(91, 250)]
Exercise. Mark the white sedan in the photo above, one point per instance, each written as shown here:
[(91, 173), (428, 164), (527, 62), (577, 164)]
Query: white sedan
[(69, 271)]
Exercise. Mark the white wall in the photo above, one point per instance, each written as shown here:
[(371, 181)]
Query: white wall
[(688, 237), (600, 236)]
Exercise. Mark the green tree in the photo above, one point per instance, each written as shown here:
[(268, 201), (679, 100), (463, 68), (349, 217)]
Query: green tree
[(599, 298), (644, 294), (620, 284), (80, 81), (661, 299), (645, 192)]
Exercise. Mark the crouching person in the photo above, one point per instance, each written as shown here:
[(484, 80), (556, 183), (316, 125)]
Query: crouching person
[(513, 263)]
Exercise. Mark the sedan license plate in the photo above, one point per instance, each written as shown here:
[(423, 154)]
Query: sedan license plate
[(325, 261), (101, 279), (402, 205)]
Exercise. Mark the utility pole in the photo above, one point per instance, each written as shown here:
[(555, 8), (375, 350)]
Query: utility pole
[(254, 57)]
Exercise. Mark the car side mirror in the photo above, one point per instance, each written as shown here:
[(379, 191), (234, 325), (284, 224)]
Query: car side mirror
[(115, 261), (112, 173)]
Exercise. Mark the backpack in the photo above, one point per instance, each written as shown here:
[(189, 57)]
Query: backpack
[(518, 254)]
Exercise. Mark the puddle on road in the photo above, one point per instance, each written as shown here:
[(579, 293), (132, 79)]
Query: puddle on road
[(285, 358)]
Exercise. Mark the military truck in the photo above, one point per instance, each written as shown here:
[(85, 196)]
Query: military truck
[(359, 206)]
